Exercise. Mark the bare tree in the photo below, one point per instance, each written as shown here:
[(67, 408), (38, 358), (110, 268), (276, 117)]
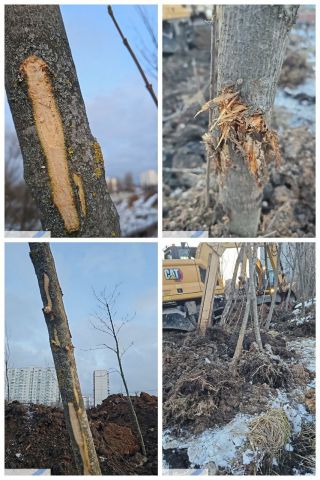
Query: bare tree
[(293, 266), (275, 289), (228, 308), (251, 45), (251, 305), (252, 290), (63, 162), (86, 459), (106, 325), (243, 328)]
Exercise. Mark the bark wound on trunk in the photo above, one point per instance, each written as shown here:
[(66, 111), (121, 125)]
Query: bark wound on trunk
[(50, 132), (63, 164), (62, 351), (252, 43)]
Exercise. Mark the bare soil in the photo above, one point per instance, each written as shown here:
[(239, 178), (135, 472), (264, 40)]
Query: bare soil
[(201, 389), (36, 437)]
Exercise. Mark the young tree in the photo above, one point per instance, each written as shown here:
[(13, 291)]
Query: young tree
[(106, 325), (251, 45), (252, 290), (86, 459), (63, 163), (293, 270), (251, 305), (275, 288), (228, 308)]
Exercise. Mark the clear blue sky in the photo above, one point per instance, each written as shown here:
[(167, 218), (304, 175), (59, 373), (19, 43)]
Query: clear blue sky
[(121, 113), (80, 268)]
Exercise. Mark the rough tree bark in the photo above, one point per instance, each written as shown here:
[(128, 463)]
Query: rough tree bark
[(63, 163), (86, 459), (275, 286), (252, 42)]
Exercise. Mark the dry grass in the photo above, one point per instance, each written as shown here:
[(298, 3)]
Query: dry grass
[(269, 432)]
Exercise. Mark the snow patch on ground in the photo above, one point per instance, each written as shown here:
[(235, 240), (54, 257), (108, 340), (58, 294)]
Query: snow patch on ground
[(296, 412), (306, 350), (218, 445), (137, 216)]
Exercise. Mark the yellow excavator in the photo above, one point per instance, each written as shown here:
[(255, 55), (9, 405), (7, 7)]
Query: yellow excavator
[(184, 276)]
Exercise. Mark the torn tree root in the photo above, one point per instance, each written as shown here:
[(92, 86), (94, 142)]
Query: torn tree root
[(240, 145)]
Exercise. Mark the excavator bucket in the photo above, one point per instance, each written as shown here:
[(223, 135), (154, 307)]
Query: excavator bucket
[(175, 319)]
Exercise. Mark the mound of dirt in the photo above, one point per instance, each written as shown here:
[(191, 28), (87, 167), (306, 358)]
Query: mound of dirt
[(36, 437), (259, 368), (201, 390)]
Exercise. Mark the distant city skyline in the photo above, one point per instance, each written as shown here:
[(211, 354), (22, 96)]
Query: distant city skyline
[(32, 385)]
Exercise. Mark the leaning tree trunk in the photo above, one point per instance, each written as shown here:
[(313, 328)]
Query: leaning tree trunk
[(275, 287), (63, 163), (86, 459), (230, 302), (252, 43), (243, 328), (253, 292)]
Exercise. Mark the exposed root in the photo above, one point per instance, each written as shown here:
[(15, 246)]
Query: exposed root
[(243, 129), (260, 368)]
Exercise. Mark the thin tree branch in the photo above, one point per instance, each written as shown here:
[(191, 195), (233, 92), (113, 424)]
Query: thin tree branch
[(136, 61)]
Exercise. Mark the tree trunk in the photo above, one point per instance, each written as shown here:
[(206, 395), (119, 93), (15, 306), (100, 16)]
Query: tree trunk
[(291, 282), (63, 163), (207, 302), (252, 290), (133, 412), (227, 310), (252, 43), (299, 248), (86, 459), (275, 286), (243, 328)]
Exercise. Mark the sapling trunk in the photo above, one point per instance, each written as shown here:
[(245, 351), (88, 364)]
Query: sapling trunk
[(132, 409), (275, 286)]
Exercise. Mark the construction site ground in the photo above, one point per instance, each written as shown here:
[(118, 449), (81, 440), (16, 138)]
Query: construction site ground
[(288, 205), (231, 421), (36, 437)]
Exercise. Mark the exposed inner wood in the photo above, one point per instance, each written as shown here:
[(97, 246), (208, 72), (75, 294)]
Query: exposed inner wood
[(46, 281), (50, 131), (78, 181), (79, 438)]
